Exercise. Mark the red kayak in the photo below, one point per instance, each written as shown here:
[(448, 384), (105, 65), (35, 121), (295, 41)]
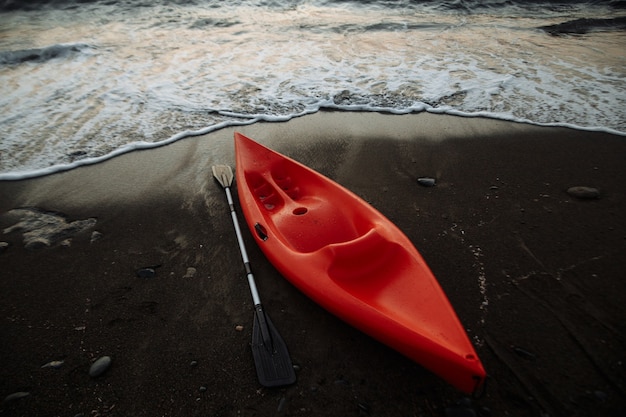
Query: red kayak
[(351, 260)]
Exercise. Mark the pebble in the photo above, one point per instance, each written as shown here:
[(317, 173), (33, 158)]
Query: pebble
[(53, 364), (191, 271), (3, 246), (426, 181), (193, 364), (364, 409), (146, 272), (584, 193), (202, 388), (282, 404), (100, 366), (239, 328), (15, 396), (95, 235)]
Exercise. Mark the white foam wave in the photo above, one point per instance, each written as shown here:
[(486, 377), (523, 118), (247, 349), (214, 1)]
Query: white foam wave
[(156, 75)]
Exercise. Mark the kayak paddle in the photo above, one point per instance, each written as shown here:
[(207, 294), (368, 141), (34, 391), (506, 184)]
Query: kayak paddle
[(271, 357)]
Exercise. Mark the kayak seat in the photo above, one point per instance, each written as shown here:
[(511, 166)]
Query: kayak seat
[(374, 270), (365, 262), (311, 224)]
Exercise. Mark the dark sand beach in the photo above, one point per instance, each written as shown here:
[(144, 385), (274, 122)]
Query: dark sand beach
[(535, 275)]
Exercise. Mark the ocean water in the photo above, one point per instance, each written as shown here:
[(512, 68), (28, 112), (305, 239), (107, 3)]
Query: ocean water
[(81, 81)]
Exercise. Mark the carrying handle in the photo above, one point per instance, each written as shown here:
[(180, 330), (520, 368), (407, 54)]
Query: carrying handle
[(260, 231)]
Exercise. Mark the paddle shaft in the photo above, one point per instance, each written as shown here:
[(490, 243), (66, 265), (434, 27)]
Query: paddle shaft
[(244, 254)]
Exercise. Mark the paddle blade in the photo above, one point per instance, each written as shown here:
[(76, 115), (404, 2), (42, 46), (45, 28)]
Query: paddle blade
[(271, 357), (223, 174)]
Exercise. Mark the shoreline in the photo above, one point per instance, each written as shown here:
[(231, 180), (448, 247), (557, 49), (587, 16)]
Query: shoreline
[(534, 274), (140, 146)]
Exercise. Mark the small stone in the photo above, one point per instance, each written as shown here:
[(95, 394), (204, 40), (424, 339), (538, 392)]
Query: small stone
[(364, 409), (296, 367), (15, 396), (193, 364), (426, 181), (53, 364), (100, 366), (282, 404), (95, 235), (191, 271), (202, 388), (3, 246), (146, 272), (239, 328), (584, 193)]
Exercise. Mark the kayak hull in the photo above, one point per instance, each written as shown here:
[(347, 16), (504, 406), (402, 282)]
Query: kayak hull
[(350, 259)]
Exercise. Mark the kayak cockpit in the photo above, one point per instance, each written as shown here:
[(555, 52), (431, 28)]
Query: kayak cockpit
[(293, 212)]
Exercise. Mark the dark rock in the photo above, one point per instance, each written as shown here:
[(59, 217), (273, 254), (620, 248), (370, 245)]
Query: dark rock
[(100, 366)]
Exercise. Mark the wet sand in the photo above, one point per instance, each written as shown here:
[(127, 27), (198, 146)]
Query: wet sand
[(535, 275)]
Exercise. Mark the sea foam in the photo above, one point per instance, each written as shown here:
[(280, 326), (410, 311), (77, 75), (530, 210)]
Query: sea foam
[(148, 76)]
